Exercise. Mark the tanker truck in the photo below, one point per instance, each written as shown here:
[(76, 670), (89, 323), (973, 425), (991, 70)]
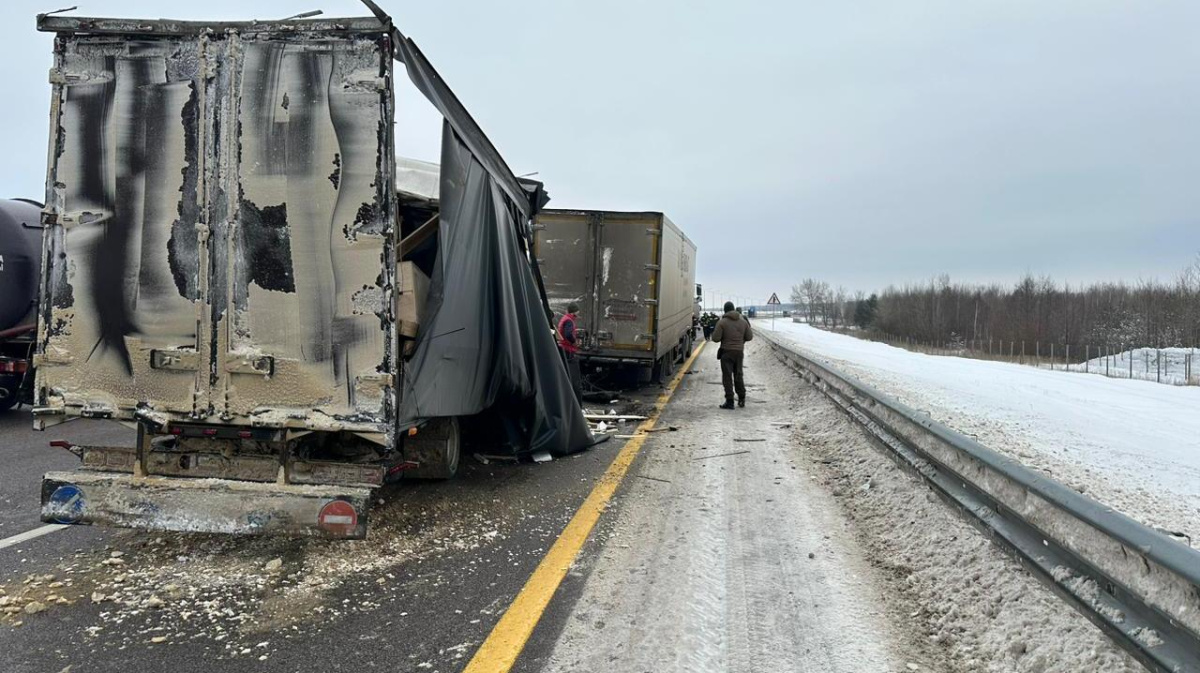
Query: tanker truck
[(20, 268), (231, 272)]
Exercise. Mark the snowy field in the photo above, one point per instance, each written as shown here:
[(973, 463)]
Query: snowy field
[(1168, 365), (1134, 445)]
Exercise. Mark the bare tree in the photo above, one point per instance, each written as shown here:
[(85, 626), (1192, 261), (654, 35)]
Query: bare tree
[(798, 299), (812, 294), (838, 305)]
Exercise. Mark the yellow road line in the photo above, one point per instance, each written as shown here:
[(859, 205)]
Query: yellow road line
[(499, 652)]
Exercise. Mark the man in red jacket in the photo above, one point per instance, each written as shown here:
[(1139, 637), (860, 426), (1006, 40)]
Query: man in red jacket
[(568, 341)]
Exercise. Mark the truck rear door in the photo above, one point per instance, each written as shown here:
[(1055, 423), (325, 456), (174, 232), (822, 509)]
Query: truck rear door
[(303, 320), (219, 224), (123, 270), (565, 247), (626, 275)]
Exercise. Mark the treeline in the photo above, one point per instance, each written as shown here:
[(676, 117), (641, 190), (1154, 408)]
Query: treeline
[(833, 307), (1035, 309)]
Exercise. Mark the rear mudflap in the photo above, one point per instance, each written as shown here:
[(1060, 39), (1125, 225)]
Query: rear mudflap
[(205, 505)]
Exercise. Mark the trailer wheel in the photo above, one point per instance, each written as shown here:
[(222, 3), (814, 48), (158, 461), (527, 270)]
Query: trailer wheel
[(435, 449), (10, 392), (664, 367)]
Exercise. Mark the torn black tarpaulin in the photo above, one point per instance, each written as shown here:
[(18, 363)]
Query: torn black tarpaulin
[(486, 345), (527, 195)]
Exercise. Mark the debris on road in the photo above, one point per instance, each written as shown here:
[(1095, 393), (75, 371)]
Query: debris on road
[(498, 458), (720, 455), (230, 591)]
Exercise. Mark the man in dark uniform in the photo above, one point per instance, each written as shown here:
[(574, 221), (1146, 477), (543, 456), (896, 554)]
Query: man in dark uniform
[(732, 332)]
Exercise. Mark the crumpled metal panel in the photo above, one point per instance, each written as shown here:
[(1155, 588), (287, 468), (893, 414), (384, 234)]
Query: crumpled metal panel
[(218, 237)]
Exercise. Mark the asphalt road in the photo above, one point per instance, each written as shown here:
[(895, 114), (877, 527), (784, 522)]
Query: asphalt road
[(726, 556), (25, 455), (715, 553), (441, 564)]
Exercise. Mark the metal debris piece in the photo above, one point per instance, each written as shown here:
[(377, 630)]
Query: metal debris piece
[(720, 455)]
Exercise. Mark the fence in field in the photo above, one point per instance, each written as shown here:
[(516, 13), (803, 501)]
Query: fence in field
[(1173, 365)]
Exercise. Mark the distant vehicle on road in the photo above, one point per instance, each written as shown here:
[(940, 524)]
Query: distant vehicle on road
[(20, 269), (633, 275)]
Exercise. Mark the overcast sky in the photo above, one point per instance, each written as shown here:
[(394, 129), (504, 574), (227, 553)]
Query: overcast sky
[(864, 143)]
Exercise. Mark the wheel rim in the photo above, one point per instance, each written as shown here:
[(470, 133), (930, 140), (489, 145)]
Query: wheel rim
[(453, 447)]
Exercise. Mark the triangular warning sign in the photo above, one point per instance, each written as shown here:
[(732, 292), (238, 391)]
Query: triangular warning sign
[(774, 299)]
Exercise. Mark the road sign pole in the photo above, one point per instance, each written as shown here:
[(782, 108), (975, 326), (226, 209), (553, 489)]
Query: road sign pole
[(774, 303)]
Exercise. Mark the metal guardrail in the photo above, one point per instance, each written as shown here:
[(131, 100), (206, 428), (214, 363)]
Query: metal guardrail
[(1141, 587)]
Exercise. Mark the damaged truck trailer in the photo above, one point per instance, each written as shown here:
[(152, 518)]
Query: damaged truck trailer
[(227, 267)]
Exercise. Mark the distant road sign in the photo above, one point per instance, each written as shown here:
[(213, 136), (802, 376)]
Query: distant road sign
[(773, 300)]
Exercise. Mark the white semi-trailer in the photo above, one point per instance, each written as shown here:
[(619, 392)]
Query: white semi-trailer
[(633, 276)]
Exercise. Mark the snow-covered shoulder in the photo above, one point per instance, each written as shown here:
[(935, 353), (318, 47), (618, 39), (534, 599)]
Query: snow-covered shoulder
[(1134, 445)]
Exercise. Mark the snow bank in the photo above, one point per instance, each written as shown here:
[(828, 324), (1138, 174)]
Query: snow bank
[(972, 602), (1134, 445)]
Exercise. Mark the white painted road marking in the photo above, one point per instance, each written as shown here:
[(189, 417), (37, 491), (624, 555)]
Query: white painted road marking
[(31, 534)]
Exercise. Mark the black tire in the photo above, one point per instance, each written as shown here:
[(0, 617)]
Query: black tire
[(11, 387), (664, 369), (436, 448)]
